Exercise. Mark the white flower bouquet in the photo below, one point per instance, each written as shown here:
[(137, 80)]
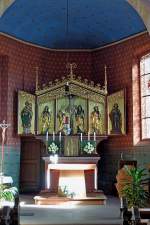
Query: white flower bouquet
[(89, 148), (53, 148)]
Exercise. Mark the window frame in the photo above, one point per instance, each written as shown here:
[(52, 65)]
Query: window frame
[(142, 97)]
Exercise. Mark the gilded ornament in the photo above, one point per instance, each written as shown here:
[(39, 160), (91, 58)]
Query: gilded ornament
[(63, 78), (56, 81), (92, 83), (50, 83), (86, 81), (79, 78)]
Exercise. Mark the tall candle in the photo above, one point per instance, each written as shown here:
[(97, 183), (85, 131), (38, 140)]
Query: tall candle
[(60, 136), (81, 137), (94, 136), (53, 136), (47, 136), (89, 136)]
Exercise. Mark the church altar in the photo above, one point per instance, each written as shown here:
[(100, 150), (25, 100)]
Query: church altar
[(84, 164), (69, 117)]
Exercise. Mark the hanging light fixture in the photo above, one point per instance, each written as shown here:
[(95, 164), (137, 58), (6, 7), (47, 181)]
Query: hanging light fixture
[(67, 31), (69, 65)]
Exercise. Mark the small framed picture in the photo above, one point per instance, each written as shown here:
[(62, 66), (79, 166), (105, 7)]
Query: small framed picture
[(46, 117), (116, 113), (26, 113), (97, 118)]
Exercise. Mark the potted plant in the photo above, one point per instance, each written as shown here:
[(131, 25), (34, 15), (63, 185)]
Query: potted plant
[(7, 194), (133, 189)]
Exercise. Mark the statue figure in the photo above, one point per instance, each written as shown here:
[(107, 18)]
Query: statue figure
[(79, 119), (63, 121), (96, 120), (45, 119), (26, 117), (116, 119)]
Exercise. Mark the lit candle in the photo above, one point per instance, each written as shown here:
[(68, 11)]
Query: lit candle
[(53, 136), (60, 136), (81, 137), (89, 136), (47, 136), (94, 136)]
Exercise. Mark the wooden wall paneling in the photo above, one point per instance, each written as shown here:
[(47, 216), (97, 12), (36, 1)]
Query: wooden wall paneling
[(30, 169)]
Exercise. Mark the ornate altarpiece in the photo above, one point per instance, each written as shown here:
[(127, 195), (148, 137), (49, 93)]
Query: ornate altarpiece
[(68, 107), (71, 113), (74, 107)]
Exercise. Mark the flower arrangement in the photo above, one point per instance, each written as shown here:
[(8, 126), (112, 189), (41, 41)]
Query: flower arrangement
[(53, 148), (88, 148)]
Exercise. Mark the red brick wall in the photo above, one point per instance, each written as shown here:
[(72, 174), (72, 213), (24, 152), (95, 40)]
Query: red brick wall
[(121, 60), (19, 73)]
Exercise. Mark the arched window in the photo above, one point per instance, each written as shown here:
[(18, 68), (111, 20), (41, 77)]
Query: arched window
[(145, 95)]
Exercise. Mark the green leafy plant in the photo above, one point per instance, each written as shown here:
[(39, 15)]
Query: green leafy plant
[(64, 192), (7, 194), (89, 148), (134, 190), (53, 148)]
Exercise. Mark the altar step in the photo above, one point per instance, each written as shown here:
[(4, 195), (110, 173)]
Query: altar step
[(49, 198), (108, 214), (119, 222)]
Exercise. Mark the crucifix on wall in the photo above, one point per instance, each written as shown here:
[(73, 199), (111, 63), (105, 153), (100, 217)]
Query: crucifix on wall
[(4, 126), (71, 66)]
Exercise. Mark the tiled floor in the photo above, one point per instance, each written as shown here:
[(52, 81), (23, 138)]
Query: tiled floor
[(70, 213)]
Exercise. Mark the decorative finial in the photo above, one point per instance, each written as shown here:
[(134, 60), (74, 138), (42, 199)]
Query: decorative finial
[(71, 66), (37, 78), (105, 85)]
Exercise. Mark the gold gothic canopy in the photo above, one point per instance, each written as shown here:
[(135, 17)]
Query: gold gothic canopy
[(74, 106)]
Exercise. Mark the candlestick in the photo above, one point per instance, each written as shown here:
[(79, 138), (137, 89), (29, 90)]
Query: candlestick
[(81, 137), (60, 136), (94, 136), (88, 136), (47, 136), (53, 136)]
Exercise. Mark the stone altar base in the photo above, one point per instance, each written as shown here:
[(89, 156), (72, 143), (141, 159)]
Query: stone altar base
[(49, 198)]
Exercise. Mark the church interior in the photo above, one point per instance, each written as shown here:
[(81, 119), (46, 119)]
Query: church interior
[(74, 108)]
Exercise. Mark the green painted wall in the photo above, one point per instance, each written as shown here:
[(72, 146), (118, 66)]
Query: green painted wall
[(12, 163), (109, 164)]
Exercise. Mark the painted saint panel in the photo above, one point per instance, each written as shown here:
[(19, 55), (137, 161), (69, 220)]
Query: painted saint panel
[(71, 115), (116, 113), (96, 117), (26, 113), (63, 115), (46, 117), (80, 117)]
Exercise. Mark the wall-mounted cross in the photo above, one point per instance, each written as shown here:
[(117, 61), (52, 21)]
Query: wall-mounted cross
[(4, 126), (71, 66)]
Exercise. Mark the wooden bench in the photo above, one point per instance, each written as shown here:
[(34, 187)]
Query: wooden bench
[(144, 213)]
